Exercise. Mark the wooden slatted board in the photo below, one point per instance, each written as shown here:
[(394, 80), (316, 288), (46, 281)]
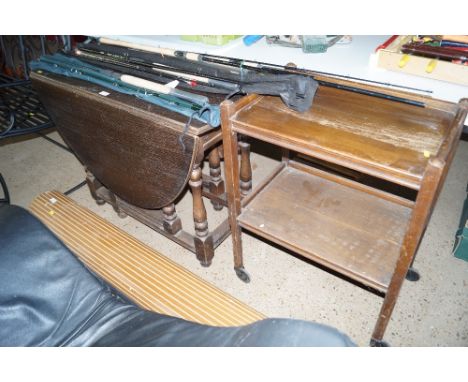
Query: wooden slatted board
[(148, 278)]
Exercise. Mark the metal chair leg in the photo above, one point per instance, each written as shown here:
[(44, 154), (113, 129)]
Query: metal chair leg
[(6, 194)]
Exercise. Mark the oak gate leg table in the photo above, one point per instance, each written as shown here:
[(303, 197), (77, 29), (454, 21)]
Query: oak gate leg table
[(367, 229), (140, 157)]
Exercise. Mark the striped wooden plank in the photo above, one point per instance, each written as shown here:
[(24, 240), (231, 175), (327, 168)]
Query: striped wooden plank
[(148, 278)]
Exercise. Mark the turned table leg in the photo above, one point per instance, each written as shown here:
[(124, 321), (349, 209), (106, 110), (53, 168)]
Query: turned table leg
[(221, 151), (216, 184), (94, 185), (172, 222), (203, 241), (115, 205), (245, 174)]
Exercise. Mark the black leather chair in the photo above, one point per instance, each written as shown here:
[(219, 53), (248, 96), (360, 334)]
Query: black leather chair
[(49, 298)]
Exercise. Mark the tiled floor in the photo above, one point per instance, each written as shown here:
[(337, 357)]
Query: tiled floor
[(430, 312)]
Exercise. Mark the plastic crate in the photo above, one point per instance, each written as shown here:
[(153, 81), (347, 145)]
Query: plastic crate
[(210, 39)]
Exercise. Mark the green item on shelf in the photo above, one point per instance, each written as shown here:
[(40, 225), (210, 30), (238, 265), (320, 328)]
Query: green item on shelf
[(211, 39), (318, 43), (314, 44)]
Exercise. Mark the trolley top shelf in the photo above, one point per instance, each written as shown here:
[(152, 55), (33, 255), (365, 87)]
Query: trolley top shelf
[(389, 140)]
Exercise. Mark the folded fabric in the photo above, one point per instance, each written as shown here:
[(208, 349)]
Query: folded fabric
[(199, 108)]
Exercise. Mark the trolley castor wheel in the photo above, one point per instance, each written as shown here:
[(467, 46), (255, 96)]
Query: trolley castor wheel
[(100, 202), (412, 275), (242, 274), (379, 343)]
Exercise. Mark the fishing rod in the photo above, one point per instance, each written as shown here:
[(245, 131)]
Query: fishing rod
[(147, 73), (244, 63), (273, 68), (105, 78), (184, 61), (194, 106), (276, 69), (297, 92), (279, 69), (145, 84), (163, 61), (155, 69)]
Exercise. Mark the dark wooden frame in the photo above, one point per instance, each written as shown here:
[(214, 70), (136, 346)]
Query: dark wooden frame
[(140, 157), (427, 191), (166, 221)]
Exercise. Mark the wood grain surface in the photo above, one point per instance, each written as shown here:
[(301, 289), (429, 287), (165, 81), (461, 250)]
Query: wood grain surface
[(387, 139), (131, 146), (359, 230), (341, 227)]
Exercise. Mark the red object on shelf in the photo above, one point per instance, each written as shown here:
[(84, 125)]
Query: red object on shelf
[(459, 48), (386, 43)]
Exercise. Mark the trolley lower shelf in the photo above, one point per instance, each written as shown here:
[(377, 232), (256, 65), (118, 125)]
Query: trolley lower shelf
[(331, 221)]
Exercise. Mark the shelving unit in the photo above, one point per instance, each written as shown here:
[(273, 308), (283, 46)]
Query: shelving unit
[(21, 111), (355, 233), (357, 229)]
